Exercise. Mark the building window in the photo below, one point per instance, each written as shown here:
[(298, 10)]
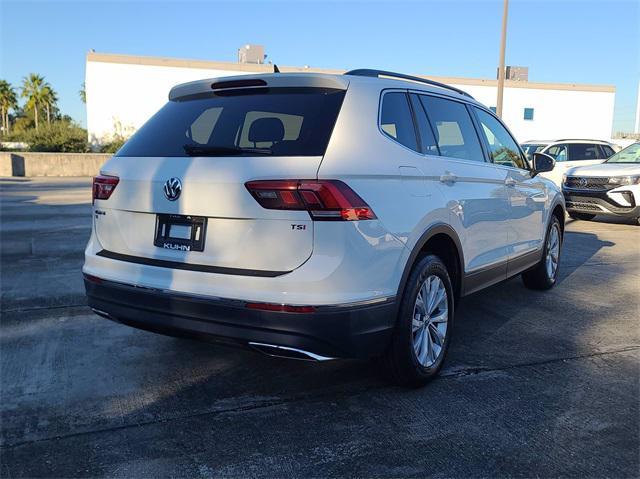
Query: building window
[(493, 109), (528, 113)]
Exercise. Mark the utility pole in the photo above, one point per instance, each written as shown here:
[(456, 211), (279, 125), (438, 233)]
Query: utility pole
[(501, 72)]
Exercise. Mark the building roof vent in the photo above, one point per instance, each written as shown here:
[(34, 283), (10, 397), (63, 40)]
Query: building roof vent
[(251, 54)]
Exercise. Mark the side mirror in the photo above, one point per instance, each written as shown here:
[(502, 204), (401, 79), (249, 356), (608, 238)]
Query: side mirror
[(542, 163)]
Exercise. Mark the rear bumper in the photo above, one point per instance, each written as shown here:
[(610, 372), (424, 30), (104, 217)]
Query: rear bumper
[(353, 331)]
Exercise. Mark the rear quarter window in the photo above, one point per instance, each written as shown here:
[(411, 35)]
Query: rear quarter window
[(583, 151), (396, 120), (607, 151), (278, 121)]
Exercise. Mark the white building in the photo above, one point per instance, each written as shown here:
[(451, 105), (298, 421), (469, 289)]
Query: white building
[(123, 91)]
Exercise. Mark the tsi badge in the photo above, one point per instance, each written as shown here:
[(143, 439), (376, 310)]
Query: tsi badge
[(172, 189)]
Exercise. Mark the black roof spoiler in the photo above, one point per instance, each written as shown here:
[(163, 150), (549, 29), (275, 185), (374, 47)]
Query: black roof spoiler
[(365, 72)]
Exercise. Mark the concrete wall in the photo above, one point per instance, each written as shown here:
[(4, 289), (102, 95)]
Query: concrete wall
[(51, 164)]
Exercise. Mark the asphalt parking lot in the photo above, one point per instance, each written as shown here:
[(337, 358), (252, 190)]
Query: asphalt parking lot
[(536, 384)]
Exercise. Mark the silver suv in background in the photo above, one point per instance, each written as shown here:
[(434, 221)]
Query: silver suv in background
[(569, 153)]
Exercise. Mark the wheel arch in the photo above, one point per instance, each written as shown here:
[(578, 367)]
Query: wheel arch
[(441, 240), (559, 212)]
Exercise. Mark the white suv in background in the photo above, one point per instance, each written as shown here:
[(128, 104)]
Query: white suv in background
[(609, 189), (318, 216), (570, 153)]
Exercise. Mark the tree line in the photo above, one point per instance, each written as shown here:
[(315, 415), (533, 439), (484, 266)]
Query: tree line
[(38, 94), (30, 115)]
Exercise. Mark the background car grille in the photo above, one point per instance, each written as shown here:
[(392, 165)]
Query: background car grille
[(583, 205), (588, 183)]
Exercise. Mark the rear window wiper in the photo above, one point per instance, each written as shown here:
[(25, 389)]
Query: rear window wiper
[(207, 150)]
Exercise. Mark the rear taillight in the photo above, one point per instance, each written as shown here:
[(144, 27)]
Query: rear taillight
[(325, 200), (103, 186)]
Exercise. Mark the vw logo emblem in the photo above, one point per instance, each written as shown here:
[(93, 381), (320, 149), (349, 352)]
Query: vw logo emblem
[(582, 182), (172, 189)]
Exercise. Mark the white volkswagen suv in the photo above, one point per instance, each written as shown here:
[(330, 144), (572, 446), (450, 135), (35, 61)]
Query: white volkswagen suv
[(609, 189), (318, 216), (570, 153)]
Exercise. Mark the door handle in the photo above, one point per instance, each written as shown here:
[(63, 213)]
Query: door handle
[(448, 178), (510, 182)]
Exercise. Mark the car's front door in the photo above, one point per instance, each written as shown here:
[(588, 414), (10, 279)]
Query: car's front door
[(527, 195)]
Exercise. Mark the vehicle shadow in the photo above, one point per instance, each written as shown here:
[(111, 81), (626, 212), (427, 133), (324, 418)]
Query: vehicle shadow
[(225, 375), (579, 248), (612, 220)]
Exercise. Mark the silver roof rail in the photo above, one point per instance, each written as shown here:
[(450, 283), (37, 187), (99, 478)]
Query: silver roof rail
[(365, 72), (582, 139)]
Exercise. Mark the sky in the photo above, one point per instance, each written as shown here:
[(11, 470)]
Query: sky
[(594, 42)]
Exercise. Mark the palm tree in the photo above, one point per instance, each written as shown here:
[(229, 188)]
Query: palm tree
[(8, 100), (49, 99), (33, 89), (83, 93)]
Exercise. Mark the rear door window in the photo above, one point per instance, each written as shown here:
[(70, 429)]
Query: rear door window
[(256, 121), (396, 121), (427, 137), (583, 151), (453, 128)]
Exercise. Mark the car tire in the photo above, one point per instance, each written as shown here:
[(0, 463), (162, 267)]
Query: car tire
[(408, 360), (544, 275), (582, 216)]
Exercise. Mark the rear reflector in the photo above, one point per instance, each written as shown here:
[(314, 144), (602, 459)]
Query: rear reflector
[(93, 279), (325, 200), (286, 308), (103, 186)]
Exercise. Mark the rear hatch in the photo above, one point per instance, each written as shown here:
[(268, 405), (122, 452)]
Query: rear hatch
[(181, 196)]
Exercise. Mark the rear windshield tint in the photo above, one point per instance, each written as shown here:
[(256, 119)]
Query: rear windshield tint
[(260, 121)]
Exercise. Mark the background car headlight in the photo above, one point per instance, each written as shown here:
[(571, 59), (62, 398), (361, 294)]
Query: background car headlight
[(624, 180), (564, 178)]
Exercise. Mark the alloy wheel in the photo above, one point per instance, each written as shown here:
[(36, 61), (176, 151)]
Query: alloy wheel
[(430, 317), (553, 251)]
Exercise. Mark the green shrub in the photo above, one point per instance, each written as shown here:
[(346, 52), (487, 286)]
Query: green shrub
[(112, 145), (60, 136)]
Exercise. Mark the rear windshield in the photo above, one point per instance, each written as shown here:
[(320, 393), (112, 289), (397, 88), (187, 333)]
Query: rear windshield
[(260, 121)]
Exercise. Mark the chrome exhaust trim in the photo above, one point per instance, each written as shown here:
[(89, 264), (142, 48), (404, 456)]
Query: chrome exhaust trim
[(102, 313), (287, 352)]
